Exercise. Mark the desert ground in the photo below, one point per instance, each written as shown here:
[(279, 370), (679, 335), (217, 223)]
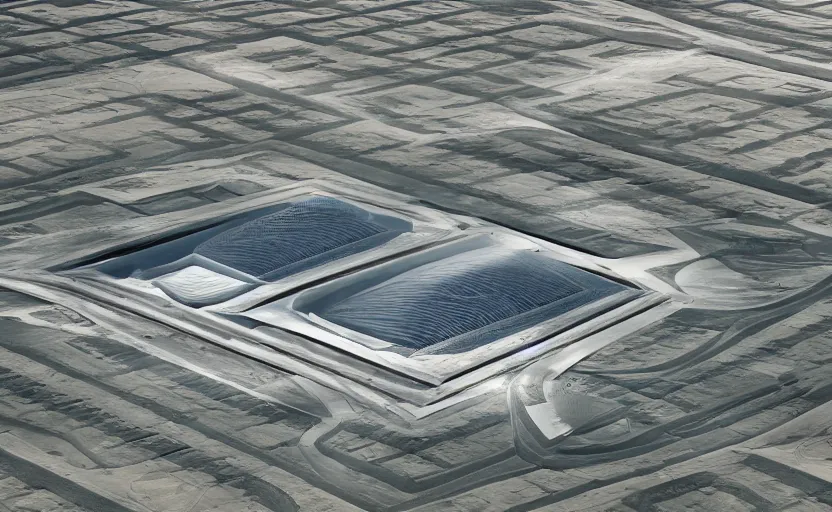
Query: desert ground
[(681, 146)]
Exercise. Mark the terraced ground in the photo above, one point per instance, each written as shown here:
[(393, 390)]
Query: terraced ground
[(687, 143)]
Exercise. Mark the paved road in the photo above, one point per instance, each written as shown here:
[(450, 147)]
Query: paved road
[(689, 141)]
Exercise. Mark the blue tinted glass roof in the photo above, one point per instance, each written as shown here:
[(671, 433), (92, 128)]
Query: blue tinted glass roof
[(312, 231), (466, 293)]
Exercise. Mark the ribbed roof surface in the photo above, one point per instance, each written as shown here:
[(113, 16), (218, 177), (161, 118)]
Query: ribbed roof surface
[(470, 291), (305, 230)]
